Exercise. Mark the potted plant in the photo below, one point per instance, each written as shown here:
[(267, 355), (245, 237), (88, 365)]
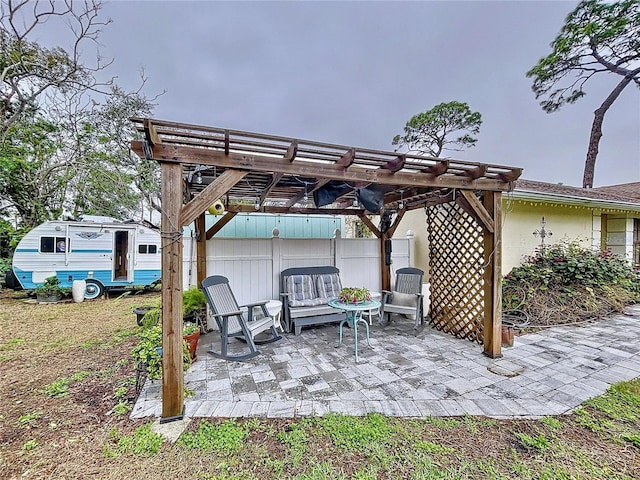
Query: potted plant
[(50, 290), (191, 334), (148, 351), (194, 305), (354, 295), (193, 308)]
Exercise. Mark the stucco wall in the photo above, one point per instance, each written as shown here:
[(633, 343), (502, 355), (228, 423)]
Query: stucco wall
[(416, 221), (521, 218), (591, 227)]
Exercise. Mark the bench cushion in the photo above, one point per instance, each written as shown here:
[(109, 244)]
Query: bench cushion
[(301, 291), (328, 286)]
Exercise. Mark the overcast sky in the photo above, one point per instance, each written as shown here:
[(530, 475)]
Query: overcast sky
[(354, 72)]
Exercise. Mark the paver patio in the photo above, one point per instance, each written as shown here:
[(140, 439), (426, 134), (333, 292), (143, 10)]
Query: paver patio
[(410, 375)]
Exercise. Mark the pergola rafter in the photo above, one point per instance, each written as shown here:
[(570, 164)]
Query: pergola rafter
[(273, 174)]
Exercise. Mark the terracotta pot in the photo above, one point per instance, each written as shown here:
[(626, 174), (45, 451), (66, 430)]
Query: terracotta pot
[(507, 336), (192, 340)]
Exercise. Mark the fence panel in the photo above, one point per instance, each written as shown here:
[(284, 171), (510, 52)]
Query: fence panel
[(253, 265)]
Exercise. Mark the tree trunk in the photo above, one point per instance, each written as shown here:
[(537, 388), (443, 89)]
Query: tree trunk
[(596, 132)]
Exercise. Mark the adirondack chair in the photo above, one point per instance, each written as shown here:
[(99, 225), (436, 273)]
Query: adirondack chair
[(406, 297), (233, 322)]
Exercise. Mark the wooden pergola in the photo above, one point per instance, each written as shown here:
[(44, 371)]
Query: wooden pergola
[(255, 172)]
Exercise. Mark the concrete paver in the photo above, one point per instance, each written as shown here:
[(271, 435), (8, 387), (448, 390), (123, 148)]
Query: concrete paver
[(406, 374)]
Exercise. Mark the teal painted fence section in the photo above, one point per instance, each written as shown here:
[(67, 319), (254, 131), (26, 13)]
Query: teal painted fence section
[(261, 225)]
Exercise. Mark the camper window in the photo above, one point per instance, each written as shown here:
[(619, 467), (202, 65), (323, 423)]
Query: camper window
[(147, 248), (53, 244)]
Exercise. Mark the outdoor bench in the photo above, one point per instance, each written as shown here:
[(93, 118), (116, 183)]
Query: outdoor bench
[(305, 294)]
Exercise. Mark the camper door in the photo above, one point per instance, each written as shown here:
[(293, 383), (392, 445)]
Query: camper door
[(122, 258)]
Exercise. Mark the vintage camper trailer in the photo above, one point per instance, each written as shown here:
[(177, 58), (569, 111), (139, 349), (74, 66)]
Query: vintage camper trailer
[(103, 251)]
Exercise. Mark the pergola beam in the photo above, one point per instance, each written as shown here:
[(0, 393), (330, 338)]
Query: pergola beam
[(210, 194), (274, 181), (481, 213), (331, 171), (216, 227)]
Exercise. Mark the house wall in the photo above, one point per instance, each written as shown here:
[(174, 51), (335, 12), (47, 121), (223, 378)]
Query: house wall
[(415, 222), (602, 228), (522, 217)]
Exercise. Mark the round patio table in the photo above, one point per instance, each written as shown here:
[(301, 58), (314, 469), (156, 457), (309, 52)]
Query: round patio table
[(353, 313)]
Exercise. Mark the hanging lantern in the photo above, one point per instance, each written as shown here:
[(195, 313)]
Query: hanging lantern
[(217, 208)]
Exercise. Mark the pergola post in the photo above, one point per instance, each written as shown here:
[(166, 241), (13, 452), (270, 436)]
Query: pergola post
[(172, 361), (492, 329), (201, 248), (385, 268)]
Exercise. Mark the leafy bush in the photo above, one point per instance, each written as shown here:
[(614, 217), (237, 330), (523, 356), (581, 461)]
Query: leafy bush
[(568, 263), (51, 287), (148, 351), (566, 282), (9, 238)]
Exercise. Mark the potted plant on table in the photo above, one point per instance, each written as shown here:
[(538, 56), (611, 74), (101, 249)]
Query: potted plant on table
[(354, 295), (50, 290)]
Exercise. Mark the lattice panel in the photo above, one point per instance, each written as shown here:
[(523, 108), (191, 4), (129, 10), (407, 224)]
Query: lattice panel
[(456, 264)]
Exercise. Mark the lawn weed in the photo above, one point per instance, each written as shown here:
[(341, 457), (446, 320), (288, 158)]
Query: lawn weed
[(141, 442), (58, 388), (539, 442), (296, 439), (226, 437), (355, 433)]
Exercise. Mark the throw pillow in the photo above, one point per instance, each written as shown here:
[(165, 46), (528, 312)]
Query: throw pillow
[(405, 300), (328, 285), (300, 288)]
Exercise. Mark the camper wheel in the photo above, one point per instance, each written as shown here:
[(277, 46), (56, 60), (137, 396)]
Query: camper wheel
[(94, 289)]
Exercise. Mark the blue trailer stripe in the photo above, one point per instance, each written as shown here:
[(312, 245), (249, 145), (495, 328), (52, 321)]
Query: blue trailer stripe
[(66, 277)]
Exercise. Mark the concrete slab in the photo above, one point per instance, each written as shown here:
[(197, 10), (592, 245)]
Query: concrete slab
[(171, 430)]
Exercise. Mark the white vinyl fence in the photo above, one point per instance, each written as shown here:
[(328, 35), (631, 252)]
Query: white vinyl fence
[(253, 265)]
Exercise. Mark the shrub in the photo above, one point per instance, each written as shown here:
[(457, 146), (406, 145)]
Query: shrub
[(566, 282), (568, 263), (148, 351)]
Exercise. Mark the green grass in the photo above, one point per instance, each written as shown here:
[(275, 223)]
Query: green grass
[(58, 388), (28, 418), (620, 402), (141, 442), (12, 344), (227, 437), (121, 408), (296, 439), (539, 442), (355, 433), (553, 423), (30, 445)]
